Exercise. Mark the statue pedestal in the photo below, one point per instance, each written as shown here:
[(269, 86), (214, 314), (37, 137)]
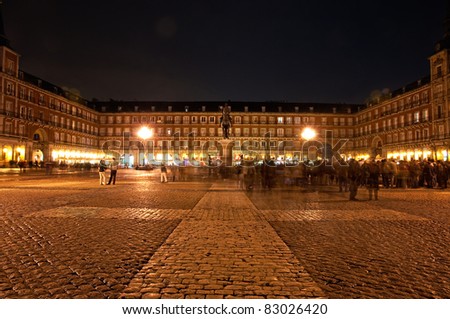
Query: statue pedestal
[(226, 152)]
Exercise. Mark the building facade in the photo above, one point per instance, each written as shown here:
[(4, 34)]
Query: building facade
[(40, 121)]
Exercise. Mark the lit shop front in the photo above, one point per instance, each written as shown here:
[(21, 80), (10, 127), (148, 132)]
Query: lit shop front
[(73, 156)]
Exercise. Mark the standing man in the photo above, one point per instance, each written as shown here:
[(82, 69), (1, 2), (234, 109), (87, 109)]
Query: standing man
[(114, 165)]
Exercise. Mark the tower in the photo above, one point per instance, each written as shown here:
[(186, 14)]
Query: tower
[(9, 59), (440, 86)]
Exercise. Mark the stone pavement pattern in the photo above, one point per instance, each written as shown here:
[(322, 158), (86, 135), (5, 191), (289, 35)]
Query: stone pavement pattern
[(67, 237)]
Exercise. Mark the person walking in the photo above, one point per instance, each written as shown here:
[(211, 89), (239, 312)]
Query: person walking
[(373, 183), (102, 167), (163, 173), (114, 165), (354, 172)]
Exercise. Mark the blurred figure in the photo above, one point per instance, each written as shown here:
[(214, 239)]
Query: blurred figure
[(373, 184), (102, 172), (114, 165), (163, 173)]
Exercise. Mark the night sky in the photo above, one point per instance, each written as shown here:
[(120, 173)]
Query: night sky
[(211, 50)]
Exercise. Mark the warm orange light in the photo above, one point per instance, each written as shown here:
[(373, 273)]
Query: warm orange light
[(308, 133), (145, 133)]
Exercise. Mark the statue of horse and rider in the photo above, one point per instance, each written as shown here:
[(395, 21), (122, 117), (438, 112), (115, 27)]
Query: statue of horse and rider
[(225, 120)]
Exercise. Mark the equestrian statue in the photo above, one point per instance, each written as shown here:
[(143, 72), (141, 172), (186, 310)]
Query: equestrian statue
[(225, 120)]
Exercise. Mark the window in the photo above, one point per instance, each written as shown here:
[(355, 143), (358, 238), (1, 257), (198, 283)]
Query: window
[(203, 119), (194, 119), (237, 119), (280, 132), (425, 114), (22, 93), (416, 117), (280, 120), (10, 67), (439, 71), (212, 119), (9, 88), (185, 119)]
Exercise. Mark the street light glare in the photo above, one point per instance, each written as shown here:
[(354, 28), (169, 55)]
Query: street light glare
[(145, 133), (308, 133)]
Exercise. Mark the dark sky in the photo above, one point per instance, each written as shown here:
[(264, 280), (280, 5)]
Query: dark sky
[(207, 50)]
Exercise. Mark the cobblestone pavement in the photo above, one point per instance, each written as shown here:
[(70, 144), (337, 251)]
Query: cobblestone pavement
[(65, 236)]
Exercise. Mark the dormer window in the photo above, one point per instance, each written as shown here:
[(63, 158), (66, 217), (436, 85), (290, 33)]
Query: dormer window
[(136, 108), (245, 108), (263, 108), (439, 71), (153, 108), (311, 108), (203, 108), (297, 109), (169, 108), (186, 108)]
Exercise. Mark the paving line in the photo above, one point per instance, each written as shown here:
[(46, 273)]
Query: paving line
[(231, 252)]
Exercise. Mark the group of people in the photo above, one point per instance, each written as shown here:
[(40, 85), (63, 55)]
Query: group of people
[(349, 175), (392, 174)]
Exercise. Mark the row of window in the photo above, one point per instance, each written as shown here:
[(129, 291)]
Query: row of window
[(409, 136), (192, 119), (44, 100), (395, 107), (217, 132)]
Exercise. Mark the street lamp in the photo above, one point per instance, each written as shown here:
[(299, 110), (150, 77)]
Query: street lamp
[(144, 133), (308, 133)]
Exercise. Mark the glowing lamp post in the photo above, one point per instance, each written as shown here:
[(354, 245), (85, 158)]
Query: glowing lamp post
[(144, 133), (308, 133)]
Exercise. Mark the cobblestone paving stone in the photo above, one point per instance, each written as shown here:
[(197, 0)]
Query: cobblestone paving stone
[(396, 247), (65, 236), (231, 253)]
